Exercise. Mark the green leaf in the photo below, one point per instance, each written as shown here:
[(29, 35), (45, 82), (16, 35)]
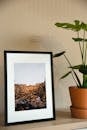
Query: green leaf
[(65, 75), (75, 67), (58, 54), (77, 25), (83, 69), (84, 26), (65, 26), (77, 22), (79, 39)]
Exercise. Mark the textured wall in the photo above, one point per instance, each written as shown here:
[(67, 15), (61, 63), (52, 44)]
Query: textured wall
[(29, 25)]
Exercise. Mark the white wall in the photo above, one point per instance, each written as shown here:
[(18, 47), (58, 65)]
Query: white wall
[(29, 25)]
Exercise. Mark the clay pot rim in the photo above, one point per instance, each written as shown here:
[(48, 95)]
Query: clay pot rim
[(75, 87), (71, 107)]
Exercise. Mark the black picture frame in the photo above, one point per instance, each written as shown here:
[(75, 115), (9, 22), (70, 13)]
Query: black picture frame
[(29, 88)]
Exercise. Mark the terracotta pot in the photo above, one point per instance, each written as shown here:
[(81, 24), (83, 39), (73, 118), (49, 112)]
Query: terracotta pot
[(79, 102), (78, 97), (78, 113)]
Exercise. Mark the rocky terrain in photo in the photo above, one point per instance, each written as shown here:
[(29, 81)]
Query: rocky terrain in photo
[(30, 97)]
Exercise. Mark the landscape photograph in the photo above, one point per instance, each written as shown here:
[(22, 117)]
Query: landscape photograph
[(30, 87)]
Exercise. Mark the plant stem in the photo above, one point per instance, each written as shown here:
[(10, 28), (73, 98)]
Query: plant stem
[(85, 53), (84, 81), (80, 47), (84, 47), (78, 81), (75, 80)]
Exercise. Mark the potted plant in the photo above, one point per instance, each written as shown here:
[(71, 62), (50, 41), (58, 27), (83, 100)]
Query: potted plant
[(78, 93)]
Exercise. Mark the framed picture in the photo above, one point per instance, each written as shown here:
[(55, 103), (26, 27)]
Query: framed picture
[(29, 93)]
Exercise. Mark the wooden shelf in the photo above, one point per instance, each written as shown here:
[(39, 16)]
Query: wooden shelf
[(63, 121)]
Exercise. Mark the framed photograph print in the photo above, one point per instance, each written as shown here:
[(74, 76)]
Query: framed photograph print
[(29, 93)]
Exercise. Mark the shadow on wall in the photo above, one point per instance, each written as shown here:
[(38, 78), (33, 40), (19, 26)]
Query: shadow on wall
[(3, 2), (32, 42), (81, 2)]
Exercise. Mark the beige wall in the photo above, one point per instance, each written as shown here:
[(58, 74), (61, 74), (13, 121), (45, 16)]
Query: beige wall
[(29, 25)]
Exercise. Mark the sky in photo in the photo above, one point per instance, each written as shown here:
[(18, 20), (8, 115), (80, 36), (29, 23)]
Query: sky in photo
[(29, 73)]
